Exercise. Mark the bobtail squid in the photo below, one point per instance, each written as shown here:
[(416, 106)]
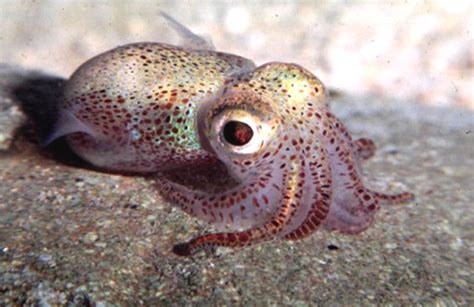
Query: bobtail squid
[(159, 108)]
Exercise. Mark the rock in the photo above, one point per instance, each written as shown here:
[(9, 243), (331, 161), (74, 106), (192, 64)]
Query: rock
[(11, 118), (11, 115)]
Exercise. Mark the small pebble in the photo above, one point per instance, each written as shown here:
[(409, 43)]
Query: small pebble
[(90, 237)]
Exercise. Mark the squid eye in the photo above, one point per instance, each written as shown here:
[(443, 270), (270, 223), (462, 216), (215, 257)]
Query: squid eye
[(237, 133)]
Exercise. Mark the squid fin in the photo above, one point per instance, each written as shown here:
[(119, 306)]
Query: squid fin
[(189, 38), (67, 123)]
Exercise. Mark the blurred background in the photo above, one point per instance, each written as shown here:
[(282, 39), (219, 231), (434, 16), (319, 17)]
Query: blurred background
[(416, 50)]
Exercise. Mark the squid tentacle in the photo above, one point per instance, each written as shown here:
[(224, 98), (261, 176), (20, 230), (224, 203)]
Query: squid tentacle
[(354, 205), (399, 198), (290, 196), (321, 195), (242, 206), (364, 148)]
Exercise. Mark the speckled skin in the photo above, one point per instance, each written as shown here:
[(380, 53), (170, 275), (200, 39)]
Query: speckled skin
[(153, 107)]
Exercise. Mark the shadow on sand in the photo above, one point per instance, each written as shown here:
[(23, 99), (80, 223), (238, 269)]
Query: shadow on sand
[(38, 95)]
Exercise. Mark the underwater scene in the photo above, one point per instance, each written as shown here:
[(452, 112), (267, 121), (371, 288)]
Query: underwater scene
[(266, 153)]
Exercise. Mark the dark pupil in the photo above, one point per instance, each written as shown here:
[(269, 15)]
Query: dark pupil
[(237, 133)]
